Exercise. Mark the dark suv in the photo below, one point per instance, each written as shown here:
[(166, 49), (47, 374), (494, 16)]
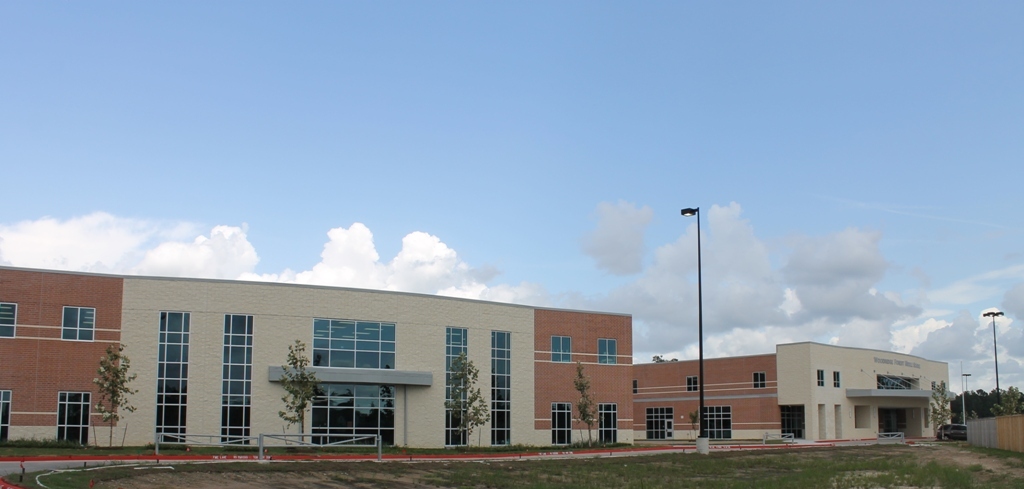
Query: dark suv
[(952, 432)]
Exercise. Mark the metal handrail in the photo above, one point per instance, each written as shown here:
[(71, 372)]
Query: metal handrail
[(896, 435), (218, 441), (187, 439), (377, 441), (785, 437)]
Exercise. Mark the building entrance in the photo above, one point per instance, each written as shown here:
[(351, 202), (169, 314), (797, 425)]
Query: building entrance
[(892, 420), (793, 420)]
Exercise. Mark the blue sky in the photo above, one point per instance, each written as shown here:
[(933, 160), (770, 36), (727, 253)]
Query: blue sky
[(857, 163)]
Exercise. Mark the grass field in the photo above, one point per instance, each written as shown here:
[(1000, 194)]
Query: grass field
[(879, 466)]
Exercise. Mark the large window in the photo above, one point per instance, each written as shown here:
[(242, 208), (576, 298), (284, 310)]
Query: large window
[(561, 349), (608, 422), (561, 423), (659, 423), (691, 383), (5, 414), (353, 344), (760, 380), (606, 351), (236, 389), (821, 378), (343, 411), (79, 323), (172, 374), (456, 341), (892, 382), (8, 319), (793, 420), (73, 416), (719, 421), (501, 388)]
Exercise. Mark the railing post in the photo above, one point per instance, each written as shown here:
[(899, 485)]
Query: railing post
[(260, 454), (156, 442), (380, 448)]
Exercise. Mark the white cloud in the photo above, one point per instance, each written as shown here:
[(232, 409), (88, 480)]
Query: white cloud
[(226, 253), (617, 245), (96, 242)]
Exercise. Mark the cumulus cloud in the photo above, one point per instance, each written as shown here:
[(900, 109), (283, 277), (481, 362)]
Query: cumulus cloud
[(617, 244), (96, 242), (226, 253)]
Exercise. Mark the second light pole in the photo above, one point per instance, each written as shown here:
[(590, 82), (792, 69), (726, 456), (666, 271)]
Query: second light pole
[(703, 446), (995, 350)]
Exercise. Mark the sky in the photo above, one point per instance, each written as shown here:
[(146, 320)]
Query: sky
[(857, 165)]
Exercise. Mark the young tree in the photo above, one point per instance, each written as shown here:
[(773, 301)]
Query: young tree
[(585, 406), (466, 399), (694, 421), (1011, 403), (112, 382), (300, 384), (940, 411)]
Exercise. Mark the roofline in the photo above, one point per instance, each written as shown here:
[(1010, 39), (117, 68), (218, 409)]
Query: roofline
[(706, 359), (308, 286), (856, 348)]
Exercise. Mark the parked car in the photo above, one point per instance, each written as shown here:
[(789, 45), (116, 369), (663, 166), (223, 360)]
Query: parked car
[(951, 432)]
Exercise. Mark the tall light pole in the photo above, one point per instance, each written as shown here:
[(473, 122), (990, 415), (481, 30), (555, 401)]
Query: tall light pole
[(963, 394), (995, 350), (702, 440)]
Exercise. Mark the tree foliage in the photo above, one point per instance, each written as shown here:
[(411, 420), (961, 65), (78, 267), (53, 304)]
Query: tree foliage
[(1010, 403), (940, 410), (112, 380), (466, 401), (585, 405), (301, 386), (662, 359)]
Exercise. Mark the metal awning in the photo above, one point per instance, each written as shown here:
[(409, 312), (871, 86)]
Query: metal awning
[(361, 376), (890, 393)]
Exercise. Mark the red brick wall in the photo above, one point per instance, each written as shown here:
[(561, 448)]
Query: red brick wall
[(726, 383), (37, 364), (608, 383)]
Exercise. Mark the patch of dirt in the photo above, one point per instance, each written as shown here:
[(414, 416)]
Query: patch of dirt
[(402, 475)]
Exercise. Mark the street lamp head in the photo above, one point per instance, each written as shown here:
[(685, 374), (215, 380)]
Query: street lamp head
[(993, 314), (690, 211), (965, 375)]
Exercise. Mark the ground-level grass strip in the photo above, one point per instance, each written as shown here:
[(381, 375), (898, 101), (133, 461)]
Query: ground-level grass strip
[(838, 468)]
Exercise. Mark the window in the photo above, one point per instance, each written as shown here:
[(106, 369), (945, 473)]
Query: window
[(606, 351), (691, 383), (79, 323), (5, 414), (73, 416), (501, 388), (561, 423), (821, 378), (608, 423), (561, 349), (636, 386), (719, 421), (456, 343), (8, 319), (891, 382), (760, 380), (793, 420), (344, 411), (172, 374), (835, 379), (236, 390), (659, 423), (353, 344)]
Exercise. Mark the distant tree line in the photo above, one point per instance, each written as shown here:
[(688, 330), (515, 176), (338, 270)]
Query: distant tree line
[(982, 404)]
